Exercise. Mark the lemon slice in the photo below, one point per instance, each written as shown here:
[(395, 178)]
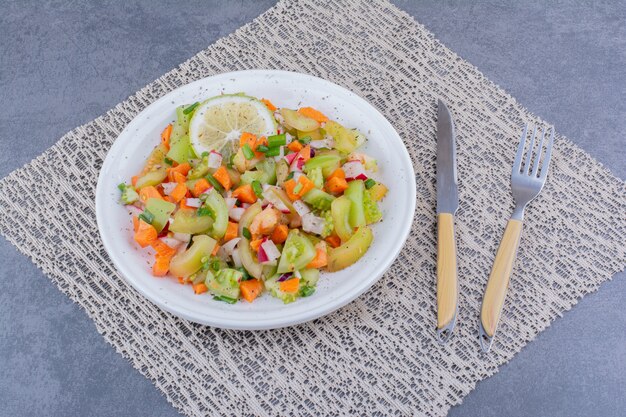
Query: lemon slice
[(218, 123)]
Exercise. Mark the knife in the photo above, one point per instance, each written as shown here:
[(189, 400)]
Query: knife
[(447, 204)]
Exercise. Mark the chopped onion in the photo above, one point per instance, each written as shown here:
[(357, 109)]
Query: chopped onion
[(229, 246), (230, 202), (297, 274), (183, 237), (235, 213), (279, 117), (215, 160), (301, 207), (168, 187), (354, 170), (289, 158), (284, 277), (327, 142), (171, 242), (288, 138), (297, 164), (236, 258), (312, 224), (245, 205), (193, 202), (270, 250), (261, 255)]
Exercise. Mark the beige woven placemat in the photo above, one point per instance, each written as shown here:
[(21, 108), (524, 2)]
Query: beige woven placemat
[(377, 356)]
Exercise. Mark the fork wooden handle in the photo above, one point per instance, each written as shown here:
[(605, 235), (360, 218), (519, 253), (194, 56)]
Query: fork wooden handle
[(499, 278), (447, 292)]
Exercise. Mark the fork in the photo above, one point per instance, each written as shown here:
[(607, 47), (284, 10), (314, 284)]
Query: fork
[(526, 183)]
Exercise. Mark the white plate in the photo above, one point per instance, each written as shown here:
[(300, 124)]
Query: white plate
[(284, 89)]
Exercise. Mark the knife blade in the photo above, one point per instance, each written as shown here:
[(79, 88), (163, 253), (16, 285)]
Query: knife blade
[(447, 204)]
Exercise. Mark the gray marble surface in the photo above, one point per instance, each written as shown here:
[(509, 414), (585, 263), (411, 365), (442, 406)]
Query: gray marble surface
[(63, 63)]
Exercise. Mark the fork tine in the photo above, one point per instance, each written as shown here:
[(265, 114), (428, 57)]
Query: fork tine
[(529, 155), (517, 164), (539, 151), (546, 161)]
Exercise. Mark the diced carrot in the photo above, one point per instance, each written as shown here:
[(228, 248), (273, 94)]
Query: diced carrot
[(231, 231), (279, 235), (161, 266), (200, 288), (256, 244), (336, 185), (305, 153), (290, 285), (162, 249), (181, 280), (134, 180), (248, 138), (200, 186), (250, 289), (183, 168), (221, 175), (245, 194), (306, 186), (149, 192), (321, 257), (178, 178), (295, 146), (215, 249), (165, 136), (333, 240), (145, 234), (268, 104), (135, 223), (260, 141), (316, 115), (178, 193), (338, 173)]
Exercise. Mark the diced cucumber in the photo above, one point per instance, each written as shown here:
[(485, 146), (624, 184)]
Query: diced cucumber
[(129, 195), (310, 276), (313, 135), (248, 259), (161, 210), (298, 121), (154, 177), (180, 150), (371, 210), (199, 170), (240, 161), (297, 253), (340, 210), (378, 191), (329, 162), (355, 194), (248, 216), (268, 271), (318, 199), (188, 221), (282, 171), (225, 282), (351, 251), (316, 176), (217, 204), (186, 263), (268, 166), (273, 287)]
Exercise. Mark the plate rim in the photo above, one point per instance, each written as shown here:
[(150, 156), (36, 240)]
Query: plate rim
[(320, 310)]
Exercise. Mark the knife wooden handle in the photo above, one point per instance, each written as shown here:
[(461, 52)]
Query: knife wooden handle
[(447, 286), (493, 300)]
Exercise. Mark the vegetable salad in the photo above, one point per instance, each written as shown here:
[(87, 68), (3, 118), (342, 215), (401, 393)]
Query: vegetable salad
[(261, 213)]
